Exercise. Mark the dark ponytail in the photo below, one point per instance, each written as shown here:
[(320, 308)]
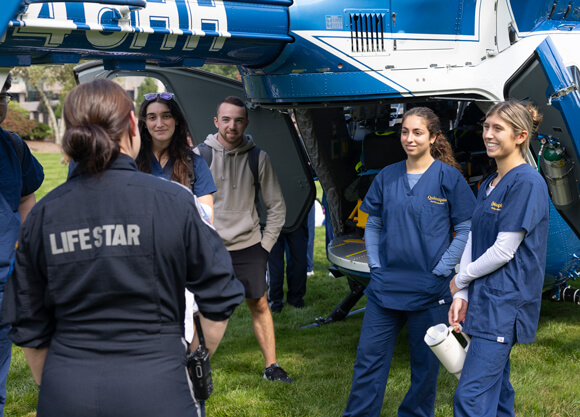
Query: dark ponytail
[(91, 147), (97, 116)]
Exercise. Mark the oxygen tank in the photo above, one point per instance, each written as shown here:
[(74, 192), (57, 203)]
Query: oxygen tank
[(557, 172)]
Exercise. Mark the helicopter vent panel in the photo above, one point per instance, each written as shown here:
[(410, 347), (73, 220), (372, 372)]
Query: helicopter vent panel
[(367, 32)]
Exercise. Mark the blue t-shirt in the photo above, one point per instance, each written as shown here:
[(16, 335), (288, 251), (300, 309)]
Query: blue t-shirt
[(417, 229), (16, 180), (504, 306), (203, 179)]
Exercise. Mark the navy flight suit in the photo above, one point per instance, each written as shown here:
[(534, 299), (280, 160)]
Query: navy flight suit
[(100, 275)]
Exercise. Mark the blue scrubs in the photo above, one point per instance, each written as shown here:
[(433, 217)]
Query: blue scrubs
[(16, 180), (417, 230), (504, 306), (203, 179)]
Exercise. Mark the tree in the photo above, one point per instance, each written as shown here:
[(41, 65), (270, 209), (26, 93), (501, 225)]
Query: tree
[(42, 77), (147, 86)]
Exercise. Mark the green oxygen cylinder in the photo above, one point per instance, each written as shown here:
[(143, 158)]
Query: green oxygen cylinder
[(557, 173)]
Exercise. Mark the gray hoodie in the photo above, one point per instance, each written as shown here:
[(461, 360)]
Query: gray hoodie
[(235, 216)]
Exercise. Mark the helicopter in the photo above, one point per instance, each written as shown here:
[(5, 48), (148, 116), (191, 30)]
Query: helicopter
[(327, 81)]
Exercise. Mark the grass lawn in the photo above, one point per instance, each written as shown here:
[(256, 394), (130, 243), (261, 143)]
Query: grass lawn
[(545, 374)]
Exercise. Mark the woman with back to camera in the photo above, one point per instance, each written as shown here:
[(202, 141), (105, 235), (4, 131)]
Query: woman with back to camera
[(96, 299), (165, 151), (497, 293), (414, 207)]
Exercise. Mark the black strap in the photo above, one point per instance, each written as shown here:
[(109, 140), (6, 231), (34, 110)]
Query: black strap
[(18, 144), (253, 160), (206, 153)]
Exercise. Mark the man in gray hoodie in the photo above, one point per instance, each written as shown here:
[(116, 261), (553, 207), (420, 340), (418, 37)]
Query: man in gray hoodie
[(236, 218)]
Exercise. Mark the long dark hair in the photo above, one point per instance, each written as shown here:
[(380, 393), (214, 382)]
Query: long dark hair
[(97, 115), (178, 149), (441, 148)]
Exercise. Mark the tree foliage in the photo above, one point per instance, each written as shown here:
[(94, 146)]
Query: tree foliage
[(147, 86), (44, 77)]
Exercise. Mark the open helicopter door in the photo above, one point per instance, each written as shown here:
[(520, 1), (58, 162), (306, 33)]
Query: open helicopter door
[(553, 87), (198, 94)]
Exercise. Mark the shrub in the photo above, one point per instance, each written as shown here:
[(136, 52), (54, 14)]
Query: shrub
[(17, 121), (41, 132)]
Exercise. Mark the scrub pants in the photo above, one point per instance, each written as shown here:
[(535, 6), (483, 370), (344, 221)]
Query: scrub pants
[(379, 332), (484, 389), (297, 242)]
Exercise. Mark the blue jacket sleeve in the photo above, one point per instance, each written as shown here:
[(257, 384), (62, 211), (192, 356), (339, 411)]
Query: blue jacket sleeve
[(26, 304), (210, 274), (32, 173)]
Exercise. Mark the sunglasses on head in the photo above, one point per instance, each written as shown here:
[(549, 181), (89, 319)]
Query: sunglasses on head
[(153, 96)]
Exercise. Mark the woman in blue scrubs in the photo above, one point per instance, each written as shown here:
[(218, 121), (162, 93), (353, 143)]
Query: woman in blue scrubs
[(165, 151), (414, 208), (498, 290)]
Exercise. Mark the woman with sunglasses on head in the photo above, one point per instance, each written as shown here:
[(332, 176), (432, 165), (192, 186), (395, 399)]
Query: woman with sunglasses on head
[(498, 291), (165, 151), (96, 298)]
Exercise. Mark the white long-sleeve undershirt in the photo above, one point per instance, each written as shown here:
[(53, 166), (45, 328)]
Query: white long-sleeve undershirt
[(499, 254)]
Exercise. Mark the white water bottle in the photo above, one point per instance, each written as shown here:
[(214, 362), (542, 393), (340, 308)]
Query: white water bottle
[(447, 348)]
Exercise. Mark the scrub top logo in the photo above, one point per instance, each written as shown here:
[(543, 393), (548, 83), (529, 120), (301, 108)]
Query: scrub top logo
[(496, 206), (437, 200)]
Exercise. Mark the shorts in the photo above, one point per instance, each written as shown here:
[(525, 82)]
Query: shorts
[(250, 268)]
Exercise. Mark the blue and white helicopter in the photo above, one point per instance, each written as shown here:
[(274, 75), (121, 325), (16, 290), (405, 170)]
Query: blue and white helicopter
[(345, 70)]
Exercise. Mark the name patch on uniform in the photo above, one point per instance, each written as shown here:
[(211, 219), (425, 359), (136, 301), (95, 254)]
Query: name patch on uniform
[(85, 239), (496, 206), (437, 200)]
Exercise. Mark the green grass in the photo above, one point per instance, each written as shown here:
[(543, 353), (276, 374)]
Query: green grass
[(54, 172), (545, 374)]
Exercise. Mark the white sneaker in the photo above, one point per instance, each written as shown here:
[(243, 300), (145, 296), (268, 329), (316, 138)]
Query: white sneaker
[(309, 273)]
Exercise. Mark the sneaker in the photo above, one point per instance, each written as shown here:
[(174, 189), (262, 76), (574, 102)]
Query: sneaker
[(309, 273), (275, 372)]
